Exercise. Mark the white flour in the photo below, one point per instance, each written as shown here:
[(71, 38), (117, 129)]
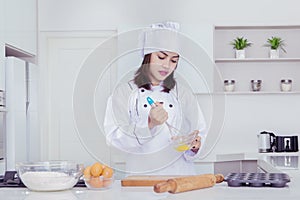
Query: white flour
[(48, 181)]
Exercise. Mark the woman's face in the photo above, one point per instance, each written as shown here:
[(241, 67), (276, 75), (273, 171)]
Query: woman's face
[(162, 64)]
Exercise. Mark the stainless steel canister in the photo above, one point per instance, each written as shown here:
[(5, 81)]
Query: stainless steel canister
[(229, 85), (286, 85), (256, 85)]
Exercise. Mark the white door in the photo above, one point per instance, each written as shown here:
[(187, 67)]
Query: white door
[(64, 54)]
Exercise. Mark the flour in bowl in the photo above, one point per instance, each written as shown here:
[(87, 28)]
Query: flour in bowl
[(48, 181)]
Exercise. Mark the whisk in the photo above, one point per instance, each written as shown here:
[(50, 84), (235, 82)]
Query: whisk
[(182, 142)]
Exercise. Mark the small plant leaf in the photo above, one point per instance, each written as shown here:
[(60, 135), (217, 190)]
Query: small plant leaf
[(240, 43), (275, 43)]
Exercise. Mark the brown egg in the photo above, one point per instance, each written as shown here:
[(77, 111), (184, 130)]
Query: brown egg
[(96, 169), (107, 172), (87, 172)]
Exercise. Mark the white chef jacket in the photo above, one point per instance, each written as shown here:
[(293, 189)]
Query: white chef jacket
[(150, 151)]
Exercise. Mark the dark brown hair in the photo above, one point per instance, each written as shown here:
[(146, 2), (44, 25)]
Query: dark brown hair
[(141, 77)]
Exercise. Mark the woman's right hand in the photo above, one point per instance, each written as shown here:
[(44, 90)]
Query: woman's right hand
[(157, 116)]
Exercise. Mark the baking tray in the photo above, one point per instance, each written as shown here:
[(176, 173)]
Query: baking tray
[(257, 179)]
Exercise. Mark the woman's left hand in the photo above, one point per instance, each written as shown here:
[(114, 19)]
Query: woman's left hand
[(196, 143)]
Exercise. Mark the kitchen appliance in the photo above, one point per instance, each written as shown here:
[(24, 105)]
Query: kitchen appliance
[(286, 144), (22, 138), (266, 141), (15, 93)]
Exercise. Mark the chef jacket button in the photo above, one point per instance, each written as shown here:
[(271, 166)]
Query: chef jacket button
[(145, 105), (170, 105), (142, 90)]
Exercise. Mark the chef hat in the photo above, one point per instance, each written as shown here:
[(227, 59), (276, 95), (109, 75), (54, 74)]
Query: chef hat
[(160, 37)]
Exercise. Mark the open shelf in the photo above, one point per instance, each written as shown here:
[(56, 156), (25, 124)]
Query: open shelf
[(257, 65), (257, 93), (256, 27), (219, 60)]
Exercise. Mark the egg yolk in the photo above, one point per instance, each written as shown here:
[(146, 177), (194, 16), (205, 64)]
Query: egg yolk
[(182, 147)]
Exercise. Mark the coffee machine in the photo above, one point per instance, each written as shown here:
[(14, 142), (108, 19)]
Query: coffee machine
[(286, 144), (269, 142)]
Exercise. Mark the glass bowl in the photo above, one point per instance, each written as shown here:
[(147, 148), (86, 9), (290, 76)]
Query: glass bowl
[(183, 142), (99, 183), (49, 175)]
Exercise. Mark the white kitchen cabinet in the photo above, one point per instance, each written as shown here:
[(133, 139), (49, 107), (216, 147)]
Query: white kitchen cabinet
[(257, 64), (20, 24)]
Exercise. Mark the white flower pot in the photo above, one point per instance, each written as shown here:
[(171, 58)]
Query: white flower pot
[(274, 53), (240, 54)]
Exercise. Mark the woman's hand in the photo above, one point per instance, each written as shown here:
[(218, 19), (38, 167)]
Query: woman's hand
[(196, 143), (157, 116)]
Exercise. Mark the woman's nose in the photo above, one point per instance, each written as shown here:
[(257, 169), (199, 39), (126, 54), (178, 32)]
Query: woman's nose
[(166, 64)]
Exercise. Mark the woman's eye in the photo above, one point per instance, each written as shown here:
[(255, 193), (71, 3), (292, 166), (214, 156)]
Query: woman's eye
[(174, 61), (161, 57)]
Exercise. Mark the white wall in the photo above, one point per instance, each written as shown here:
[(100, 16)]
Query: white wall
[(194, 15), (243, 118), (93, 14), (21, 24)]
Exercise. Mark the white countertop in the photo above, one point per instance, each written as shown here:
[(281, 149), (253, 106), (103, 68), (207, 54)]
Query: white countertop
[(219, 191)]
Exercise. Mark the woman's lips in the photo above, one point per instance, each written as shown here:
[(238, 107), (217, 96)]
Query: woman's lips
[(163, 73)]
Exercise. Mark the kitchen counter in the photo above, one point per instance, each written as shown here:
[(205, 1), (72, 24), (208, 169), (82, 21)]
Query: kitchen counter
[(219, 191)]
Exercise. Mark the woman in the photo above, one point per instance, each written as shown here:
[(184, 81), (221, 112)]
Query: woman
[(136, 127)]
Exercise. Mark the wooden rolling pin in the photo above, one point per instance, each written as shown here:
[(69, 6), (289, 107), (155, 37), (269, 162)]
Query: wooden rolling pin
[(183, 184)]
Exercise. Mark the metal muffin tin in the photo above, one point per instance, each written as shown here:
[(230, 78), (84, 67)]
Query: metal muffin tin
[(257, 179)]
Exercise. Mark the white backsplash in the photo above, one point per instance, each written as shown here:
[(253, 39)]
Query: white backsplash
[(249, 114)]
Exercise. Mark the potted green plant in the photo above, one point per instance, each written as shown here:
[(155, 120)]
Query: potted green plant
[(275, 43), (240, 44)]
